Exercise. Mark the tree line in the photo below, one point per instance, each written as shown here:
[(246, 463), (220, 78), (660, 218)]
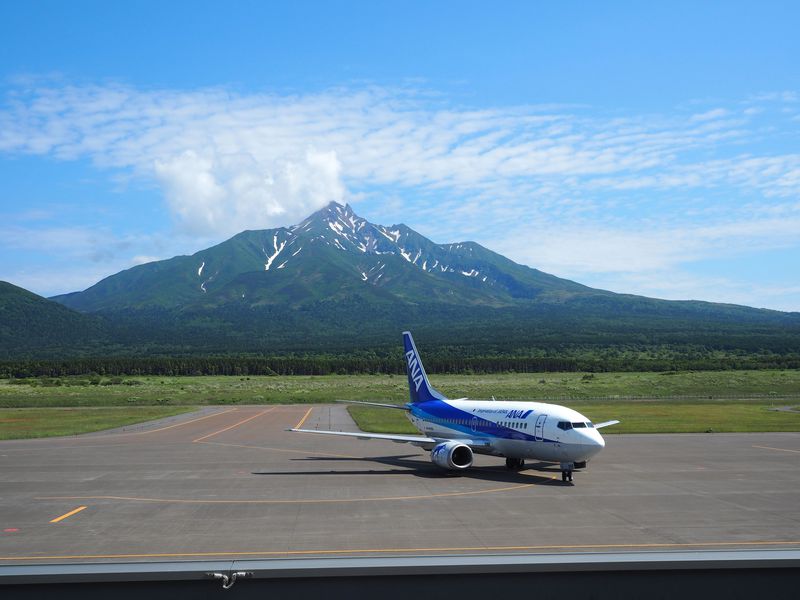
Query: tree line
[(359, 365)]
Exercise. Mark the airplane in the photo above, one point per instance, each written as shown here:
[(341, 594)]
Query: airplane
[(454, 430)]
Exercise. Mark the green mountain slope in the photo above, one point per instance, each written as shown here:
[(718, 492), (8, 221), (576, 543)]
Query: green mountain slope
[(336, 282), (31, 325), (332, 254)]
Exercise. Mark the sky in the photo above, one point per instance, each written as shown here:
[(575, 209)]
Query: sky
[(645, 148)]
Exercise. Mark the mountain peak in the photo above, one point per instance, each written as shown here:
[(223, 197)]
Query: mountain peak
[(330, 213), (332, 253)]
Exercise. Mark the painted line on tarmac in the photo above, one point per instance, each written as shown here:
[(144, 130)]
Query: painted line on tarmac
[(303, 420), (777, 449), (356, 551), (292, 501), (95, 437), (69, 514), (216, 414), (305, 452), (229, 427)]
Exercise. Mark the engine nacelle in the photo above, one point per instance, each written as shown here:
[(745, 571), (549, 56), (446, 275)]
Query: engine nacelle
[(452, 455)]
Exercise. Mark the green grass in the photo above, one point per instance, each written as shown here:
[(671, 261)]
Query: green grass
[(636, 416), (192, 391), (684, 401), (19, 423)]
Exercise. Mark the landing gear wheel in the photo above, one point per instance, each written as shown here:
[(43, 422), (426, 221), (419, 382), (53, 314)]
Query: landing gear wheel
[(514, 464), (566, 476)]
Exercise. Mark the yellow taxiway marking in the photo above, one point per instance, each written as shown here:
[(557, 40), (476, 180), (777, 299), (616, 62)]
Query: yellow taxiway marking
[(229, 427), (216, 414), (306, 452), (777, 449), (104, 436), (293, 501), (69, 514), (354, 551), (303, 420)]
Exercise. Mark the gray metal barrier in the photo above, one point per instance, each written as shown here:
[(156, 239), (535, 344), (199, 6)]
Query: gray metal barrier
[(712, 574)]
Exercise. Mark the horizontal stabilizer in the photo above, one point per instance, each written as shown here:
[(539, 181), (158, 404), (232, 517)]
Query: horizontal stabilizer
[(605, 424)]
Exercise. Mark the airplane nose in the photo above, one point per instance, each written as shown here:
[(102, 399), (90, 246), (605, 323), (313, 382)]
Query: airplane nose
[(595, 441)]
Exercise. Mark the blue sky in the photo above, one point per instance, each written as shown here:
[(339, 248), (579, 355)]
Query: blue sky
[(633, 147)]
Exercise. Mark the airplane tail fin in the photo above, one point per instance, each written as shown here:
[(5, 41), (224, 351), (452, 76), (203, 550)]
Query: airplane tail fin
[(419, 387)]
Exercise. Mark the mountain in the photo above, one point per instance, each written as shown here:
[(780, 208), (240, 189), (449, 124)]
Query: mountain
[(30, 324), (333, 254), (337, 283)]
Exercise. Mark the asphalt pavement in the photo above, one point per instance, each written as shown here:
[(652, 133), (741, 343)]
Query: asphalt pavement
[(230, 482)]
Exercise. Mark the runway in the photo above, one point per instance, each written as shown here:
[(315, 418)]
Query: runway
[(232, 483)]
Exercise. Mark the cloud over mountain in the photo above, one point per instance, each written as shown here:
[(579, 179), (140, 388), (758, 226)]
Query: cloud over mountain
[(225, 161)]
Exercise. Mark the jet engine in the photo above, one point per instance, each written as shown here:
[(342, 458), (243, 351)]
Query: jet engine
[(452, 455)]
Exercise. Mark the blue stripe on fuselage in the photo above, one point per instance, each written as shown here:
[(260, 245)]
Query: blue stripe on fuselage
[(436, 410)]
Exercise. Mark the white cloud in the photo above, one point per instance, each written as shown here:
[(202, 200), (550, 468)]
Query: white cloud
[(141, 259), (51, 260), (709, 115), (586, 250), (230, 193), (226, 160), (677, 284), (553, 186)]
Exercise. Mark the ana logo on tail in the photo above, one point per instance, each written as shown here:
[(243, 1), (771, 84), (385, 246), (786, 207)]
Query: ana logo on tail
[(413, 369)]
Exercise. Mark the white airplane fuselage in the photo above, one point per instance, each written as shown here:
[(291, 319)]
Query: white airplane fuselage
[(455, 429), (522, 430)]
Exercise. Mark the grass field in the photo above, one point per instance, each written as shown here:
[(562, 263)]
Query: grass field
[(19, 423), (192, 391), (645, 402)]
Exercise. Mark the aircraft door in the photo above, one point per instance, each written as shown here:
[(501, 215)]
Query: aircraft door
[(539, 428)]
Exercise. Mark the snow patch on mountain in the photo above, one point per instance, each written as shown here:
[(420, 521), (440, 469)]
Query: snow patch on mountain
[(278, 249), (339, 227)]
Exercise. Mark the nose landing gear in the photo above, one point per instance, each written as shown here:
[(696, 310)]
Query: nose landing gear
[(566, 475), (566, 471)]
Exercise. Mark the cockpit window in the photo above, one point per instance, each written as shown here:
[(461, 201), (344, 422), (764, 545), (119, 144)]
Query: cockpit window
[(565, 425), (578, 425), (590, 425)]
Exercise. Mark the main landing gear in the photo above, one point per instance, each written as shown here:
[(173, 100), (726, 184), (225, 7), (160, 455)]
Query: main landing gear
[(514, 464)]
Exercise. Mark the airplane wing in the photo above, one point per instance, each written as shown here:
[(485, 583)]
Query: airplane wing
[(400, 406), (605, 424), (417, 440), (409, 439)]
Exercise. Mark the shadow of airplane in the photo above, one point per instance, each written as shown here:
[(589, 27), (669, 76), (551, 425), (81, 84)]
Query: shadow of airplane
[(412, 465)]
